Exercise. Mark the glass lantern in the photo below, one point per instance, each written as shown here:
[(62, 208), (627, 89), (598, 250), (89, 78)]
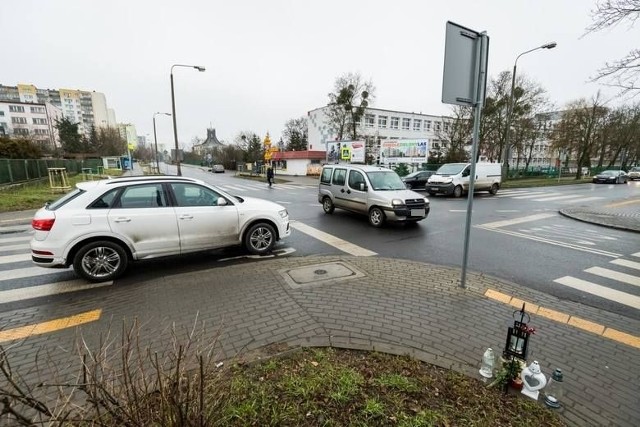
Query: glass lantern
[(554, 391)]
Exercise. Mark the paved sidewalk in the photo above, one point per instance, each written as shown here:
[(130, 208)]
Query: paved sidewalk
[(375, 303)]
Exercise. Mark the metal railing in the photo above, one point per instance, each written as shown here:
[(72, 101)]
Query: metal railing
[(13, 171)]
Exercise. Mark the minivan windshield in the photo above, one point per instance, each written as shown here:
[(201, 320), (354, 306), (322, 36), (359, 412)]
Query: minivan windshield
[(451, 169), (386, 180)]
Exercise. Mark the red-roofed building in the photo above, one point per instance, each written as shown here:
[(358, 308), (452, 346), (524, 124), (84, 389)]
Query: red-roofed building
[(298, 163)]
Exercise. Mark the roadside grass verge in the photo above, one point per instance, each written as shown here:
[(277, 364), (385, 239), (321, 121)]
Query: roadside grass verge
[(33, 195)]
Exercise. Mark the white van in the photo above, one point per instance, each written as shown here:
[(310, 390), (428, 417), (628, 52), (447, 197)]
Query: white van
[(453, 178), (374, 191)]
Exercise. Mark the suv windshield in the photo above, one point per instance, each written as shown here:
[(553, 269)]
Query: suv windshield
[(451, 169), (385, 180)]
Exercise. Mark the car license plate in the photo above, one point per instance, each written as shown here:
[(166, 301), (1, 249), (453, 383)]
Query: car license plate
[(417, 212)]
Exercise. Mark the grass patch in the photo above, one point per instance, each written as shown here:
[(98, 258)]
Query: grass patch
[(33, 195), (330, 387)]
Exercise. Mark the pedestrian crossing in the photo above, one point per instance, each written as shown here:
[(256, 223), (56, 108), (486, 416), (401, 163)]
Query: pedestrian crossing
[(621, 281), (546, 196), (20, 280), (252, 187)]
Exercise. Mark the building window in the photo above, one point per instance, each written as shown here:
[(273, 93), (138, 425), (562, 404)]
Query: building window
[(417, 125), (395, 121), (19, 120), (406, 123), (41, 131), (382, 122), (437, 126), (446, 127), (37, 121), (1, 113), (427, 125), (369, 120), (16, 108), (37, 110), (20, 131)]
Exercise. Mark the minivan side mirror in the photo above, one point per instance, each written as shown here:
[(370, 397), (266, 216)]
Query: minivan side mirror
[(362, 186), (466, 172)]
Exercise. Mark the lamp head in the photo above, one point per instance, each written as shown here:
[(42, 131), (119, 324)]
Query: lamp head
[(199, 68), (549, 45)]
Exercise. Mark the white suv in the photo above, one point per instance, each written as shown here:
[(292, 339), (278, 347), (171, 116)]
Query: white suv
[(101, 226)]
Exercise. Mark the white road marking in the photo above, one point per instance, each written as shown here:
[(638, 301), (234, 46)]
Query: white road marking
[(15, 247), (14, 258), (283, 202), (458, 210), (601, 291), (507, 210), (20, 273), (334, 241), (16, 239), (234, 188), (586, 199), (548, 199), (520, 220), (636, 254), (534, 195), (626, 263), (48, 290), (615, 275)]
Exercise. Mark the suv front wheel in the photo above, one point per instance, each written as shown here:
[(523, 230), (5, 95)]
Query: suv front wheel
[(260, 239), (100, 261), (376, 217)]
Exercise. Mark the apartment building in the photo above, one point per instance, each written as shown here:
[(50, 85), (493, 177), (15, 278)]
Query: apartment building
[(32, 120), (87, 108), (382, 125)]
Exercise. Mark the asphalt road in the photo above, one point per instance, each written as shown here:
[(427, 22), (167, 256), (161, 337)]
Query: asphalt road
[(517, 235)]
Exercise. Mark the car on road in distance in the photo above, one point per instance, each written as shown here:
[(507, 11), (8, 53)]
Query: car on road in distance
[(454, 179), (611, 177), (634, 173), (374, 191), (217, 169), (101, 226), (417, 179)]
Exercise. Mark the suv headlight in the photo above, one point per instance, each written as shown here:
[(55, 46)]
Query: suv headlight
[(397, 202), (283, 213)]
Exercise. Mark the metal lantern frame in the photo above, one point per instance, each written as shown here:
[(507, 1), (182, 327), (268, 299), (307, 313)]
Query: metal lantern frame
[(517, 344)]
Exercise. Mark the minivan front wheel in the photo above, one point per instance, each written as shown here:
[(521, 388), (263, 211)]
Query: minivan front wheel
[(100, 261), (457, 192), (376, 217), (260, 239), (327, 205)]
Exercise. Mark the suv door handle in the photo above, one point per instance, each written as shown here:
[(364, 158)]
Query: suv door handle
[(122, 220), (348, 191), (342, 190), (186, 216)]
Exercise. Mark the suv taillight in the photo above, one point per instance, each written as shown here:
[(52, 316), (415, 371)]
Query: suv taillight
[(43, 224)]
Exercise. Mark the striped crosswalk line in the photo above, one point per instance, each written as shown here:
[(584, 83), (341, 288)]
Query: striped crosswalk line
[(554, 198), (21, 273), (586, 199), (600, 291), (615, 275), (534, 195), (23, 246), (48, 289), (8, 259)]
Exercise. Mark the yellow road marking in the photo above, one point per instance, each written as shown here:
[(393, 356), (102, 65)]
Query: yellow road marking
[(50, 326), (576, 322), (628, 202)]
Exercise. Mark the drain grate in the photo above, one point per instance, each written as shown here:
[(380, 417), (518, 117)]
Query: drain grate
[(320, 273)]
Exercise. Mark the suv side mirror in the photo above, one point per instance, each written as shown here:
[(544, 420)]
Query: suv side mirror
[(222, 201), (362, 186)]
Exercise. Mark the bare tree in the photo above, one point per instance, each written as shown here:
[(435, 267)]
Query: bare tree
[(348, 103), (622, 73), (296, 134), (455, 135)]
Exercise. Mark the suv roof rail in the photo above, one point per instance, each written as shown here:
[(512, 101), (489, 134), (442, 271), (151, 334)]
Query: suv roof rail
[(149, 178)]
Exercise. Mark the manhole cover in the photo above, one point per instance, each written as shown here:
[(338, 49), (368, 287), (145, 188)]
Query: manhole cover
[(320, 273)]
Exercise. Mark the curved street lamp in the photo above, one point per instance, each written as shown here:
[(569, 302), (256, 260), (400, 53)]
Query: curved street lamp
[(507, 149), (155, 139), (173, 111)]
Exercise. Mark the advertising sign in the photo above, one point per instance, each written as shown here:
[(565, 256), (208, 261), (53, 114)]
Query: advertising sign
[(346, 151), (404, 151)]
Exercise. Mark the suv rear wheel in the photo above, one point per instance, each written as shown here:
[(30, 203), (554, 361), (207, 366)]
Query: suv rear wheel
[(100, 261), (260, 239)]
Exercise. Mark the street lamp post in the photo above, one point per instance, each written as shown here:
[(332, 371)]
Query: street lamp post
[(155, 139), (507, 149), (173, 111)]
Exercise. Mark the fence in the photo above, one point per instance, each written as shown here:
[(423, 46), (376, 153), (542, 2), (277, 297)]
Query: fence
[(22, 170)]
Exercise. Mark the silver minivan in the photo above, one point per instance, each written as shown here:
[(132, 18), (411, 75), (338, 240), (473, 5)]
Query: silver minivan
[(374, 191)]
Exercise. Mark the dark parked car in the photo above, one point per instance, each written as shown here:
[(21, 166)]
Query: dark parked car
[(417, 179), (611, 177)]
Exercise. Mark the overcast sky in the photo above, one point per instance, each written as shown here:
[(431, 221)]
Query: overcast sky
[(271, 61)]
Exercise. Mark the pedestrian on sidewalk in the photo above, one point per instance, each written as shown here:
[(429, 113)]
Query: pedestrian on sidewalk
[(270, 175)]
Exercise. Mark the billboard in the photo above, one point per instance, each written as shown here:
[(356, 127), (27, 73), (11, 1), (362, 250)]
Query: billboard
[(404, 151), (346, 151)]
